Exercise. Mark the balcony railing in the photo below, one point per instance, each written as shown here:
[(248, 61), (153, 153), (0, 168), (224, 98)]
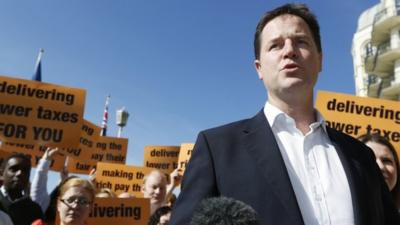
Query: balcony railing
[(373, 52)]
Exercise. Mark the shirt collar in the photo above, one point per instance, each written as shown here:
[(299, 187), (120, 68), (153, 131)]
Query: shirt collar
[(5, 194), (274, 114)]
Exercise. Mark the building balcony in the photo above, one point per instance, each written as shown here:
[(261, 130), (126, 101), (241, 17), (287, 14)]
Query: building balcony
[(383, 22), (391, 92), (373, 84), (380, 61)]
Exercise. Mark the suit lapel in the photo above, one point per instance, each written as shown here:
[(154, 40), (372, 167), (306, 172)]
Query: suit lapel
[(262, 146)]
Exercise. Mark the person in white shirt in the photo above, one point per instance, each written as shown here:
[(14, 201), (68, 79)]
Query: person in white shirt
[(285, 162)]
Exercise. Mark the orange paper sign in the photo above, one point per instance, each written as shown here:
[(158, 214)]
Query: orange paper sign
[(120, 211), (121, 178), (33, 112), (184, 155), (360, 115), (163, 158), (35, 154)]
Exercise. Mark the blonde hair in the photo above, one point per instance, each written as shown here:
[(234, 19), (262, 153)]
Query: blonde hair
[(155, 172), (107, 191), (76, 182)]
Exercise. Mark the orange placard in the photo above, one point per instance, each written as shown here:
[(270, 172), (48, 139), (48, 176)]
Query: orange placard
[(87, 145), (34, 112), (184, 155), (89, 135), (360, 115), (120, 211), (104, 149), (121, 178), (163, 158), (3, 156), (34, 153)]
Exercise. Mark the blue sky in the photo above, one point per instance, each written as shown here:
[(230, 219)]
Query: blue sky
[(177, 66)]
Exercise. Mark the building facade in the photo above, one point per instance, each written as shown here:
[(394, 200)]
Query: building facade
[(376, 51)]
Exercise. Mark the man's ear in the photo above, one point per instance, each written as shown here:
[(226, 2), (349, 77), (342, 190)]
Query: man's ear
[(257, 65)]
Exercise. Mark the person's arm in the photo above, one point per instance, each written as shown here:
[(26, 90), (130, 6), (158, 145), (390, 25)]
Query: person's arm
[(198, 183), (38, 190), (174, 180)]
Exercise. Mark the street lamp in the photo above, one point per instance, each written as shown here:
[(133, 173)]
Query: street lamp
[(122, 119)]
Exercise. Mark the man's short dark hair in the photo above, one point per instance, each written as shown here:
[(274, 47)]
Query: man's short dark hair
[(300, 10), (223, 211), (16, 155)]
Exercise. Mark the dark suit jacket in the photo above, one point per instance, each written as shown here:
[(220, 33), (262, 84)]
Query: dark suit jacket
[(242, 160)]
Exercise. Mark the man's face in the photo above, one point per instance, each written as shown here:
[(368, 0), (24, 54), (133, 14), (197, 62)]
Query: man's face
[(155, 188), (289, 60), (16, 174)]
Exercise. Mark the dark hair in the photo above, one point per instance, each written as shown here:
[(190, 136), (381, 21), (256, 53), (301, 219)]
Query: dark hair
[(155, 218), (300, 10), (223, 210), (383, 141), (16, 155)]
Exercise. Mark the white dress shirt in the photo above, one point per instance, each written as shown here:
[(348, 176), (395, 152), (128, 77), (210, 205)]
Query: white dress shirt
[(315, 170)]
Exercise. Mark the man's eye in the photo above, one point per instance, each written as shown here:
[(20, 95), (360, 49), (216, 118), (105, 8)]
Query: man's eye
[(387, 161), (303, 42), (273, 46)]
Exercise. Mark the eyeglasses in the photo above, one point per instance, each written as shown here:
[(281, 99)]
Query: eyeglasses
[(79, 201)]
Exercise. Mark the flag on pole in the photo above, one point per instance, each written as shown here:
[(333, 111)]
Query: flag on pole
[(38, 69), (103, 131)]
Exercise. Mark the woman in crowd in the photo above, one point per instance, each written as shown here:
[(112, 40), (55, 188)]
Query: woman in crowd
[(387, 160), (75, 201)]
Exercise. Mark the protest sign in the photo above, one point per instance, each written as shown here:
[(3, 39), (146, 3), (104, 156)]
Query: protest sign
[(35, 153), (89, 134), (120, 211), (360, 115), (121, 178), (163, 158), (33, 112), (103, 149), (3, 156), (184, 155)]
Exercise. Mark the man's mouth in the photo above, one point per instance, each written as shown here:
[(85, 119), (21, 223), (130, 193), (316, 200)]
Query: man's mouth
[(290, 66)]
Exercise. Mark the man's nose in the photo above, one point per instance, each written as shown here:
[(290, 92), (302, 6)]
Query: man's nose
[(290, 49), (18, 173)]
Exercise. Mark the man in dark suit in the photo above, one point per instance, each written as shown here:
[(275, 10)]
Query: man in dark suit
[(285, 162)]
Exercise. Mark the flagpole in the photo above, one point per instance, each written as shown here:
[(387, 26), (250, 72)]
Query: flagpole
[(103, 131), (38, 67)]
